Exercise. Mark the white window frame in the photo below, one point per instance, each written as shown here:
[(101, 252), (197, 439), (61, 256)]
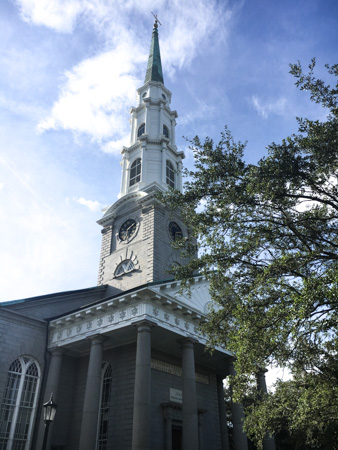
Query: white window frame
[(166, 131), (141, 129), (170, 180), (127, 266), (26, 362), (138, 167), (105, 367)]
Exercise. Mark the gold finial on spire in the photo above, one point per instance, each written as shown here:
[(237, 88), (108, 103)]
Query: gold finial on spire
[(156, 20)]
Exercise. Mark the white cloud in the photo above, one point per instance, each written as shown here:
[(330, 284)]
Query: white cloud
[(60, 15), (96, 94), (20, 108), (40, 262), (201, 111), (191, 25), (2, 185), (116, 146), (90, 204), (264, 109)]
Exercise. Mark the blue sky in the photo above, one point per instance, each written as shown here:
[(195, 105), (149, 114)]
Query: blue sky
[(68, 74)]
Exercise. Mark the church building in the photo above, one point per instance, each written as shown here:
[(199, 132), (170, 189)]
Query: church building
[(124, 360)]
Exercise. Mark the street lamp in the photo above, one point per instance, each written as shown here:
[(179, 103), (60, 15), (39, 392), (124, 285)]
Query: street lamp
[(49, 410)]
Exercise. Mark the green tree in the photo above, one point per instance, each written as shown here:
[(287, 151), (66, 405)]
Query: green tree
[(266, 236)]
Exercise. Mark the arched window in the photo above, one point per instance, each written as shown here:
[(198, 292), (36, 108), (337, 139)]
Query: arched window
[(102, 439), (170, 174), (141, 130), (135, 172), (166, 131), (124, 267), (18, 405)]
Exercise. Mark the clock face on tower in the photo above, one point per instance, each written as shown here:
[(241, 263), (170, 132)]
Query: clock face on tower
[(127, 230), (175, 231)]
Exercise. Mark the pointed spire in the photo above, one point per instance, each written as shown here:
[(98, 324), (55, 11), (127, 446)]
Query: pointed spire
[(154, 69)]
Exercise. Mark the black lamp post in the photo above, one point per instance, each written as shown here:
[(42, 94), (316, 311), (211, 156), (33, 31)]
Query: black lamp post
[(49, 410)]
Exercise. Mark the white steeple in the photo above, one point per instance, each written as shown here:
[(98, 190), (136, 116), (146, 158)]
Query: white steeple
[(138, 230), (152, 159)]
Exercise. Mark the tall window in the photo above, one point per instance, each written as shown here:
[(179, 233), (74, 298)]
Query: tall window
[(18, 405), (170, 174), (141, 130), (105, 407), (135, 172), (166, 131)]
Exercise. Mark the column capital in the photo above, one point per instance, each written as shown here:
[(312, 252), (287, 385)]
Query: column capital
[(261, 371), (57, 351), (97, 339), (144, 325), (187, 341)]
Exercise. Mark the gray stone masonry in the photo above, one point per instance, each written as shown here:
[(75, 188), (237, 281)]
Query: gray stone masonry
[(150, 249), (105, 251)]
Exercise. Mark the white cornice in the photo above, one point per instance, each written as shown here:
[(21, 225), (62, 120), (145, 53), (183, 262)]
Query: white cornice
[(123, 311), (156, 303), (157, 84), (111, 212)]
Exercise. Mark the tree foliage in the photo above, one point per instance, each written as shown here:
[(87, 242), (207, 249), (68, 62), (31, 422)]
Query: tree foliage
[(267, 240)]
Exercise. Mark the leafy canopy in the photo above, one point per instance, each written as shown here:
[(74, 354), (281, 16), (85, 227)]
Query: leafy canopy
[(266, 236)]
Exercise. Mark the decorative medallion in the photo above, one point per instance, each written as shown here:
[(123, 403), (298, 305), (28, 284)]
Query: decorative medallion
[(111, 318)]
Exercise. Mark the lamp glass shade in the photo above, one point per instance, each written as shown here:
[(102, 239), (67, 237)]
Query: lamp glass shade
[(49, 410)]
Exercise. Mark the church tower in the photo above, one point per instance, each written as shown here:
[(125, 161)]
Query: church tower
[(137, 229)]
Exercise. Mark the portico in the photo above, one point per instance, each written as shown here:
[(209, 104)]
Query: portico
[(162, 329)]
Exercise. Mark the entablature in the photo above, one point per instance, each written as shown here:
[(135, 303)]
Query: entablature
[(123, 311)]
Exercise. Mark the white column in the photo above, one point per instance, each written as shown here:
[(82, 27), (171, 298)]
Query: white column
[(164, 163), (146, 119), (124, 175), (179, 176), (133, 130), (91, 403), (189, 407), (173, 137), (144, 177), (161, 120)]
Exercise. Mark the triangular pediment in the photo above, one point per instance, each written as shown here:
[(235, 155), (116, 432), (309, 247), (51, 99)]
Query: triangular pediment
[(197, 297)]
